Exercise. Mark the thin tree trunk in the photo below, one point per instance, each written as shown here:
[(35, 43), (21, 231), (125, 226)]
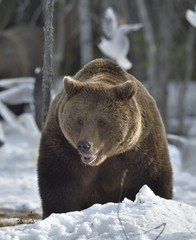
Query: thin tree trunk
[(48, 62), (60, 36), (182, 97), (151, 46), (165, 36), (38, 95), (85, 30)]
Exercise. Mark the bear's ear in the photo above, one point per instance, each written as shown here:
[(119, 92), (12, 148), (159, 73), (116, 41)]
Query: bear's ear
[(71, 86), (126, 90)]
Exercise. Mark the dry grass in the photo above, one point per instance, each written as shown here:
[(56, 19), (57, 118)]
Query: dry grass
[(7, 220)]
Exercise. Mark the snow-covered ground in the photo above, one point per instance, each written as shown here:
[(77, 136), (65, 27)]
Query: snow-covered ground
[(18, 180), (148, 217)]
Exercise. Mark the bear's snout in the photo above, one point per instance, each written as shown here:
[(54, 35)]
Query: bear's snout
[(83, 146)]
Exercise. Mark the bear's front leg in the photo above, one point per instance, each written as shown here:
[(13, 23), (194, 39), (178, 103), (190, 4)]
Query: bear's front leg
[(59, 197)]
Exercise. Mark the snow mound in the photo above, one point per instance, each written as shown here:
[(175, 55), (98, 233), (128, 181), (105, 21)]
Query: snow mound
[(148, 217)]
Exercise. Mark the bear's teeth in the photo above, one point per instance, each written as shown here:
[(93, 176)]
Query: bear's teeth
[(87, 159)]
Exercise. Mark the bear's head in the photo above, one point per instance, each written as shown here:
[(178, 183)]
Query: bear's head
[(99, 119)]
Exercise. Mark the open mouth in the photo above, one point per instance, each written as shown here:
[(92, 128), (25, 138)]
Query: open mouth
[(88, 158)]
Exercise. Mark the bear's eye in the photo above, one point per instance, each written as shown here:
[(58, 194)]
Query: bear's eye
[(80, 122), (101, 123)]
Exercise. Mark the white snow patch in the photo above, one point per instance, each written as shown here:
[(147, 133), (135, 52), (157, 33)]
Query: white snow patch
[(145, 218)]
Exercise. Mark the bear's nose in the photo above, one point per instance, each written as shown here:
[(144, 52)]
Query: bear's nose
[(83, 146)]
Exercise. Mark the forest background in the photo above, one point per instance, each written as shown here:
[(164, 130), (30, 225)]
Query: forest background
[(162, 52)]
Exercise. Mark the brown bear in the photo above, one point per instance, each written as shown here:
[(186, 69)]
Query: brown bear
[(103, 123)]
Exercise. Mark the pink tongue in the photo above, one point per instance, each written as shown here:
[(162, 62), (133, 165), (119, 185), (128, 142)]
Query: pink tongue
[(87, 157)]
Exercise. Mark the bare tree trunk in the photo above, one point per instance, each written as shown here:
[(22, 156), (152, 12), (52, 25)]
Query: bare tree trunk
[(48, 63), (85, 30), (182, 97), (165, 34), (60, 36), (151, 46)]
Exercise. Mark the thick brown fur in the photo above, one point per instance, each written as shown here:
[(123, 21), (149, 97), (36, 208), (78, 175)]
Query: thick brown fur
[(112, 111)]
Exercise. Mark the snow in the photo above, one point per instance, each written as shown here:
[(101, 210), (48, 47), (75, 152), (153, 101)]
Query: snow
[(18, 180), (17, 90), (146, 218)]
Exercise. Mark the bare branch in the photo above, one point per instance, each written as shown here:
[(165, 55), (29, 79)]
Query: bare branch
[(159, 226), (120, 196), (193, 233)]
